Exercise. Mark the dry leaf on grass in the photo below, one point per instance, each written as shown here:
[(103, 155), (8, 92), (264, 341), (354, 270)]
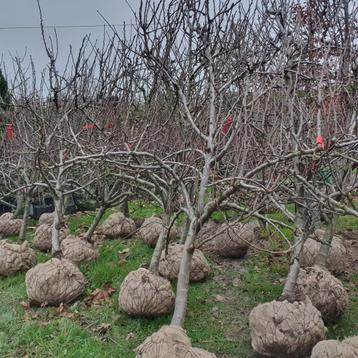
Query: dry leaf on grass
[(99, 295), (122, 262), (123, 252), (220, 298), (130, 335), (25, 305), (103, 328)]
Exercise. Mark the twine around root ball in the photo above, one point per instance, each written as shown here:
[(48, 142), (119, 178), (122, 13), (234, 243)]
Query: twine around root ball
[(169, 264), (54, 282), (284, 329), (170, 341), (117, 225), (144, 294), (78, 250), (15, 258), (325, 291)]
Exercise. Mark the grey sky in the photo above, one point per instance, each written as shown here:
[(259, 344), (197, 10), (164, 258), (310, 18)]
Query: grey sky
[(55, 12)]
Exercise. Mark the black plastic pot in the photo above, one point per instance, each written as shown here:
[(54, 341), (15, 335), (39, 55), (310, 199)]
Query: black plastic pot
[(37, 209), (70, 206), (5, 208), (84, 204)]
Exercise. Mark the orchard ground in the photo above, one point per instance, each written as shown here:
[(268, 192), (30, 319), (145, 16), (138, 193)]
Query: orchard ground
[(217, 316)]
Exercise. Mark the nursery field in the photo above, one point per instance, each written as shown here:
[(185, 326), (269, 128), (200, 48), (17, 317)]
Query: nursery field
[(217, 317)]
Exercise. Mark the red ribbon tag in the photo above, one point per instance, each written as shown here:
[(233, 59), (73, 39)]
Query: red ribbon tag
[(320, 141), (89, 126), (225, 128), (10, 131)]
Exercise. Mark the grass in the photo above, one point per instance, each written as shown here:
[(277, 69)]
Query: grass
[(217, 308)]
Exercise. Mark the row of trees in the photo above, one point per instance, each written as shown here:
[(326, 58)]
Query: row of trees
[(205, 106)]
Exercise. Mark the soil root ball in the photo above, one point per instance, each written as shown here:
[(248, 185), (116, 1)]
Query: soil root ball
[(43, 236), (46, 218), (170, 341), (6, 217), (54, 282), (337, 256), (117, 225), (227, 240), (78, 250), (10, 226), (284, 329), (335, 349), (152, 227), (204, 236), (169, 264), (15, 258), (98, 236), (144, 294), (325, 291)]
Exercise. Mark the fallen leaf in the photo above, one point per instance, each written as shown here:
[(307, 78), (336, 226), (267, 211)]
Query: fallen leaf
[(62, 312), (124, 251), (129, 336), (45, 323), (25, 304), (220, 298), (122, 262), (60, 309), (100, 295), (103, 328)]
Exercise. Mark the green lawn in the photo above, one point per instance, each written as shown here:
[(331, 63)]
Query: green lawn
[(217, 310)]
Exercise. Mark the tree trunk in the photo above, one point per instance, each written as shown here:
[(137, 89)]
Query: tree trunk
[(183, 277), (185, 230), (289, 290), (25, 217), (322, 257), (95, 222), (125, 208), (56, 227), (154, 263), (19, 204)]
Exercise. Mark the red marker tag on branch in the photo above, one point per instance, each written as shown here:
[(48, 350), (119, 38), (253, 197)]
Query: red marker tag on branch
[(10, 131), (225, 128), (320, 141)]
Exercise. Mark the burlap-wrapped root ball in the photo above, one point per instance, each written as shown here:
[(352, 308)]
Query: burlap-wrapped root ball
[(54, 282), (6, 216), (9, 226), (43, 235), (151, 228), (144, 294), (78, 250), (325, 291), (284, 329), (98, 236), (169, 264), (335, 349), (337, 257), (170, 342), (15, 258), (46, 218), (228, 240), (205, 235), (117, 225)]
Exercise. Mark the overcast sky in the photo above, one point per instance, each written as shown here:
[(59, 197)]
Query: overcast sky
[(22, 13)]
